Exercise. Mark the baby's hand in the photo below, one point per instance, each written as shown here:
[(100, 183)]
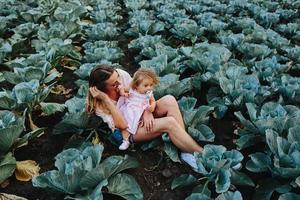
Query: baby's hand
[(121, 88), (150, 108), (122, 91), (126, 94)]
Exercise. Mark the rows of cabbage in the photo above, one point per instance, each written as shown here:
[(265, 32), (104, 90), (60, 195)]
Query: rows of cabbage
[(245, 54), (33, 44), (238, 52), (101, 46), (38, 40)]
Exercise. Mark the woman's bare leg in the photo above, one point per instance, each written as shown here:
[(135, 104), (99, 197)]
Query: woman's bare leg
[(168, 106), (177, 134)]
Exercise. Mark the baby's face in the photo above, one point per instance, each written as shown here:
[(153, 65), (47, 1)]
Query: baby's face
[(145, 86)]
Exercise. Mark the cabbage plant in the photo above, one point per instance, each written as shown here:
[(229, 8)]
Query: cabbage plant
[(169, 13), (143, 22), (83, 174), (41, 71), (215, 164), (5, 49), (161, 66), (268, 68), (106, 11), (230, 40), (24, 95), (29, 96), (282, 161), (136, 5), (56, 48), (83, 72), (251, 50), (102, 51), (187, 29), (288, 87), (102, 31), (170, 84), (11, 128), (157, 52), (271, 115), (7, 166), (293, 53), (196, 119), (204, 55), (211, 22), (77, 119), (236, 87), (240, 87), (145, 42)]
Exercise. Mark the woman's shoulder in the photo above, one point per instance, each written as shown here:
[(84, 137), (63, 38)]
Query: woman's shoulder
[(123, 72), (124, 77)]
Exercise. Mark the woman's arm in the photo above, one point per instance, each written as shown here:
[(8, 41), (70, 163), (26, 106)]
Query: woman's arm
[(118, 119)]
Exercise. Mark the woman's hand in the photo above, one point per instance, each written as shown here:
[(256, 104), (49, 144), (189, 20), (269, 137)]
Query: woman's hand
[(98, 94), (148, 121)]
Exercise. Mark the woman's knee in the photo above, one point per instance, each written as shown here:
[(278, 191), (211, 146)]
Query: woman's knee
[(169, 100)]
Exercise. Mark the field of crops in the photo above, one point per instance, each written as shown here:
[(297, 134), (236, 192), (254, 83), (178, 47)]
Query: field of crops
[(232, 65)]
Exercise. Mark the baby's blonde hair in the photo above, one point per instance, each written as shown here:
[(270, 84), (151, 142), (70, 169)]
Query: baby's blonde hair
[(141, 74)]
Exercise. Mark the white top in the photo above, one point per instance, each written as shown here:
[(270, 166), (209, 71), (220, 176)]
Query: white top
[(125, 80)]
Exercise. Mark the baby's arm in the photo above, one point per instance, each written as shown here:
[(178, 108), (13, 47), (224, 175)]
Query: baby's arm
[(152, 103), (123, 91)]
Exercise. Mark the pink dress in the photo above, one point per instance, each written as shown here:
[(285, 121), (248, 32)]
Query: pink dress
[(133, 107)]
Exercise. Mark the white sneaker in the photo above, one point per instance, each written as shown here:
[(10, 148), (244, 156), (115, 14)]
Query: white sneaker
[(237, 166), (125, 144), (189, 159)]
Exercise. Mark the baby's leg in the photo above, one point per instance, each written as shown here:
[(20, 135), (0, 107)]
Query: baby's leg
[(125, 135), (125, 144)]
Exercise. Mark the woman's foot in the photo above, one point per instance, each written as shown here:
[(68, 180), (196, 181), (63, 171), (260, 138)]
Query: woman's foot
[(189, 159), (237, 166), (125, 144)]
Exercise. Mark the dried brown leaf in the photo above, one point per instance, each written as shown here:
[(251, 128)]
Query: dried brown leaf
[(26, 169)]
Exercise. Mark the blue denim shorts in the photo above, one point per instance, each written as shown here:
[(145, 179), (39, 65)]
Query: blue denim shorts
[(117, 137)]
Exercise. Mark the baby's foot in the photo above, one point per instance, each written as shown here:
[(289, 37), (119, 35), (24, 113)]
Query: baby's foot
[(125, 144)]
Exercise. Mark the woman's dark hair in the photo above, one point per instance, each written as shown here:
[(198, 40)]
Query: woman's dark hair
[(99, 75)]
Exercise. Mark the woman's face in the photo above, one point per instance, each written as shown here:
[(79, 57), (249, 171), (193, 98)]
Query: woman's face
[(113, 82)]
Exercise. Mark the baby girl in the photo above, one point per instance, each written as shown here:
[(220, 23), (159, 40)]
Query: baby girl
[(133, 103)]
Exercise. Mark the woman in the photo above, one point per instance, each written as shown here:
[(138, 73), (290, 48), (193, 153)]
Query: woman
[(103, 95)]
